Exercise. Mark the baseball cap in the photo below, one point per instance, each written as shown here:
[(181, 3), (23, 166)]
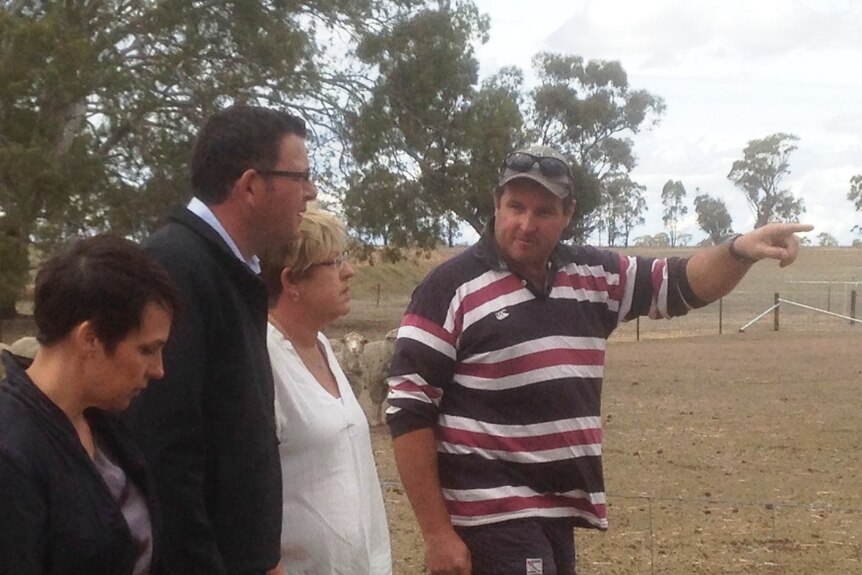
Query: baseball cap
[(542, 164)]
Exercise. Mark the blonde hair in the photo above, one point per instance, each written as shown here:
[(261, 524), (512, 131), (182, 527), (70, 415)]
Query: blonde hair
[(322, 235)]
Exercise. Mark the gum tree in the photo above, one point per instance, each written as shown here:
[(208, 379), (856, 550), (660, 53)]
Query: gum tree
[(99, 101), (713, 217), (672, 197), (760, 175), (855, 196)]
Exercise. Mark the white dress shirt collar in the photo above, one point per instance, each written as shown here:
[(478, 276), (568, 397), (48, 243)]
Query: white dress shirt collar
[(203, 211)]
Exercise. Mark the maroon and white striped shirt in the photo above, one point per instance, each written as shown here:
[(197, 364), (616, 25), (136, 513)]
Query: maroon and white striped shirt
[(510, 379)]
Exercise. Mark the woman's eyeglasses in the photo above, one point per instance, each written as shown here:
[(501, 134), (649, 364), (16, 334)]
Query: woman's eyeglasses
[(549, 167), (337, 262)]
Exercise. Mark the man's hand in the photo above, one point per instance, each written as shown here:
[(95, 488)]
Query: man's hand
[(446, 554), (714, 272), (773, 241)]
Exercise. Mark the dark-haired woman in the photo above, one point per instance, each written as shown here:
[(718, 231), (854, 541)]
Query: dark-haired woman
[(75, 497)]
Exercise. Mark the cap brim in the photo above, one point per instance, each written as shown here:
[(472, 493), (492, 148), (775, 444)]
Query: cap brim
[(555, 188)]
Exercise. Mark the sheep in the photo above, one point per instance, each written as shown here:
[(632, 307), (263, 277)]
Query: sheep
[(377, 357), (23, 347), (366, 365), (349, 351)]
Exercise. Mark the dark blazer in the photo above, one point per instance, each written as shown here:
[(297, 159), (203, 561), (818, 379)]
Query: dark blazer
[(208, 427), (57, 516)]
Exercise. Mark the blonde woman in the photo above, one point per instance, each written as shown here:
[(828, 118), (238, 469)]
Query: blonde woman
[(333, 520)]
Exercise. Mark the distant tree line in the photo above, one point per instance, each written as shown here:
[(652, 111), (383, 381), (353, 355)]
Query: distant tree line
[(759, 174)]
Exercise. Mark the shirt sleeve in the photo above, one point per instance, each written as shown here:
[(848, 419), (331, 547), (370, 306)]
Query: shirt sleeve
[(654, 287), (424, 358)]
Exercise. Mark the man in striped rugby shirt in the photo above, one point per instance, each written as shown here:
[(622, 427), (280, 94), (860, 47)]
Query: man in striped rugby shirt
[(495, 386)]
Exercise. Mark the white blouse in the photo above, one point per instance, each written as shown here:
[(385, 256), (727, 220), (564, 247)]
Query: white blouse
[(333, 520)]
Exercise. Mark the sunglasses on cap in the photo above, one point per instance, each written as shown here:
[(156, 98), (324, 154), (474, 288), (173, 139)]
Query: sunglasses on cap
[(549, 167)]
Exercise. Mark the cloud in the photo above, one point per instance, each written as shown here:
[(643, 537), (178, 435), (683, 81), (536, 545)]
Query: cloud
[(730, 71), (663, 33), (847, 123)]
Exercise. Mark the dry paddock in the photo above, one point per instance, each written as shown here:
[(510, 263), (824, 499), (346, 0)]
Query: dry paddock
[(724, 454), (737, 453)]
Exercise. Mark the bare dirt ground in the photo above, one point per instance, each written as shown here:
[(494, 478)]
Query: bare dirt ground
[(724, 454)]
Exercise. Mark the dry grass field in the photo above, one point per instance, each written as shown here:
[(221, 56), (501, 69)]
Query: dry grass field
[(731, 454), (724, 454)]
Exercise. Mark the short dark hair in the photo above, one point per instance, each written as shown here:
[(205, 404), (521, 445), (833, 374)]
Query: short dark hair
[(234, 140), (105, 279)]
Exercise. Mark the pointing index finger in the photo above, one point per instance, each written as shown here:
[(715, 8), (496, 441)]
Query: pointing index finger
[(797, 228)]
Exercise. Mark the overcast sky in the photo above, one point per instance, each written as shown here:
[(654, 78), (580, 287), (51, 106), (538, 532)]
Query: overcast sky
[(730, 71)]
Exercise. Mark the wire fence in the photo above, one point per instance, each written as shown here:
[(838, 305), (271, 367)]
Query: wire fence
[(747, 303), (377, 316)]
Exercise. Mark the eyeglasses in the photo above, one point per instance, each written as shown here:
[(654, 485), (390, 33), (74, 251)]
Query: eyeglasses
[(302, 176), (337, 262), (550, 167)]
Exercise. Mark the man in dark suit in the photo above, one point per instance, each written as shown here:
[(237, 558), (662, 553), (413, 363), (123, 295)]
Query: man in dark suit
[(207, 428)]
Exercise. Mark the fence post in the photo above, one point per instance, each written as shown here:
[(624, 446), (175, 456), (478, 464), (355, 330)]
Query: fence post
[(651, 540), (853, 306), (638, 329), (720, 314), (378, 295), (775, 317)]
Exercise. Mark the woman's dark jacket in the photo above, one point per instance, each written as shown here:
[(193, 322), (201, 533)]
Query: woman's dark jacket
[(57, 516)]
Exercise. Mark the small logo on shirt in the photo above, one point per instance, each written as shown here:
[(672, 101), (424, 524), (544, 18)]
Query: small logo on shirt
[(502, 314), (534, 567)]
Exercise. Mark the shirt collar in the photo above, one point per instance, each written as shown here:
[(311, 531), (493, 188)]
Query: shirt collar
[(203, 211)]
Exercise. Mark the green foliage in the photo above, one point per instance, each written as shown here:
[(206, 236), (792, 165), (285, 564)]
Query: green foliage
[(683, 239), (429, 122), (825, 239), (673, 196), (425, 123), (494, 128), (99, 100), (713, 217), (855, 196), (759, 174), (855, 193), (622, 209), (14, 272), (660, 240), (588, 111), (368, 207)]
